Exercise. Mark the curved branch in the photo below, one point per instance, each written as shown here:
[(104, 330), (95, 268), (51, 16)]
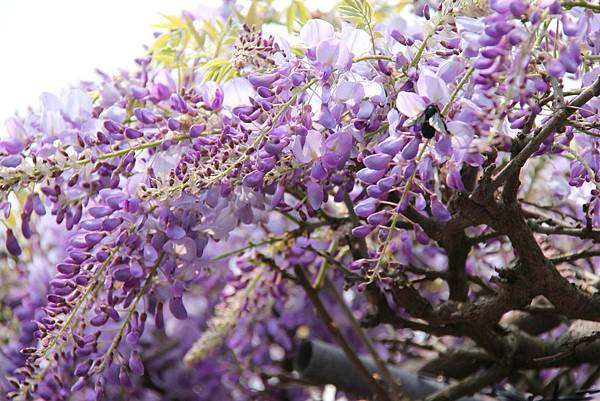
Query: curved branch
[(556, 122)]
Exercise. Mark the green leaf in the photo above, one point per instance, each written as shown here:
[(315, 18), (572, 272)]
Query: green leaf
[(160, 42), (238, 15), (94, 96), (232, 73), (296, 12), (222, 33), (252, 15), (302, 11), (165, 57), (298, 50), (198, 37), (219, 70), (223, 72), (176, 22), (290, 17), (357, 12), (210, 30)]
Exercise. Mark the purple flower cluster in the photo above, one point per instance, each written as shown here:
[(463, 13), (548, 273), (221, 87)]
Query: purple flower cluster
[(178, 201)]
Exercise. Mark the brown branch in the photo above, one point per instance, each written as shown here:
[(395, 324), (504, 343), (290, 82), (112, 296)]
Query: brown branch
[(337, 334), (512, 184), (458, 363), (555, 123), (537, 324), (575, 256), (408, 297), (546, 208), (381, 365), (484, 238), (486, 310), (432, 228), (399, 322), (457, 248), (470, 384), (382, 313), (540, 274), (569, 348), (581, 233)]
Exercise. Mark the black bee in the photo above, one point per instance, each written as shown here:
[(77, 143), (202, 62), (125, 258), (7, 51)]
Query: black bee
[(430, 121)]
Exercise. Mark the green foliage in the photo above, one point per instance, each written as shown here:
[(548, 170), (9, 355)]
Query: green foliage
[(207, 44), (219, 70), (183, 46), (357, 12), (220, 34), (296, 14), (198, 37), (164, 49), (383, 9)]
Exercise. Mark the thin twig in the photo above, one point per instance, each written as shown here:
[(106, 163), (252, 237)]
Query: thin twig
[(337, 334), (470, 384), (575, 256), (387, 375), (558, 120)]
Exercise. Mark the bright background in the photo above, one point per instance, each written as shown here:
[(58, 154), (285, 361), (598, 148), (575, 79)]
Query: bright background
[(45, 46)]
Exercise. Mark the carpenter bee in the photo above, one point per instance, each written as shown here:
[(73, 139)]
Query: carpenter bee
[(429, 120)]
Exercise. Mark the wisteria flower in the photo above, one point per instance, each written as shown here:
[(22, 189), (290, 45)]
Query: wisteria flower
[(316, 31), (430, 90), (236, 92), (307, 148), (197, 208), (15, 138)]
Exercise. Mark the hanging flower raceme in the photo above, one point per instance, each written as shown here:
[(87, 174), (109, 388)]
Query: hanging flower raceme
[(189, 202)]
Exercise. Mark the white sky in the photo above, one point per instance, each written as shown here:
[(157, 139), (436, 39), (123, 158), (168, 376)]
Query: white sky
[(47, 45)]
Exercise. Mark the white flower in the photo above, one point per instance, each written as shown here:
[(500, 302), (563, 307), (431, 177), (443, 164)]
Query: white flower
[(315, 31), (237, 92), (311, 149)]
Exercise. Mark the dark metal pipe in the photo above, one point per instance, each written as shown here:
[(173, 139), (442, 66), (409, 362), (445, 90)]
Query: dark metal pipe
[(320, 363)]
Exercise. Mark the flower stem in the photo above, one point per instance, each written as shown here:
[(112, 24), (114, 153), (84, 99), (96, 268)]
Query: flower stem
[(372, 57), (262, 134), (38, 173), (132, 309), (92, 287), (322, 275), (462, 83), (420, 51), (396, 217), (571, 4)]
